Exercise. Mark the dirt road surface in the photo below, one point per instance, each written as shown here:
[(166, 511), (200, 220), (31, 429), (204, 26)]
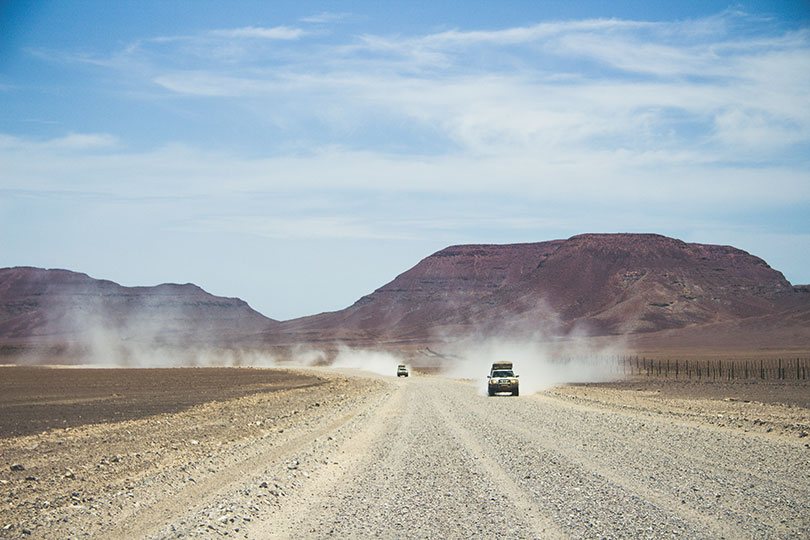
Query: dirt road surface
[(423, 457)]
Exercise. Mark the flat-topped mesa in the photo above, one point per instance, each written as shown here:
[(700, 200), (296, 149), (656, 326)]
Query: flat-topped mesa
[(472, 268), (653, 250), (589, 284), (598, 283), (629, 283)]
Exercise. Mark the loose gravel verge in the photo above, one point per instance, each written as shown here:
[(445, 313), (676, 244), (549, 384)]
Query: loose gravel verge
[(423, 457)]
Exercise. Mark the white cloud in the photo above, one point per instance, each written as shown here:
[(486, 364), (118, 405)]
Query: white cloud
[(572, 177), (755, 130), (580, 85), (515, 36), (326, 17), (298, 227), (572, 115), (277, 142), (277, 32), (75, 142), (205, 83), (80, 141)]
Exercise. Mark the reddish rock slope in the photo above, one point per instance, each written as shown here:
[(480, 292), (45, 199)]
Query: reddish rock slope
[(39, 306), (642, 285), (596, 284)]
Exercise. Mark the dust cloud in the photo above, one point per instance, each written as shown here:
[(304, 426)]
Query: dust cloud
[(380, 362), (541, 359), (108, 349), (541, 365), (545, 352)]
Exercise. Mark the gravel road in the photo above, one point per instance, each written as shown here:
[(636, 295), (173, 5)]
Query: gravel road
[(427, 457), (439, 460)]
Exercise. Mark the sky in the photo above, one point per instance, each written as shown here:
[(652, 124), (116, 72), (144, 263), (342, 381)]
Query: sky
[(299, 155)]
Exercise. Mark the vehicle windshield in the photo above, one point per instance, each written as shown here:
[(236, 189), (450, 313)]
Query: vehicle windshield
[(503, 373)]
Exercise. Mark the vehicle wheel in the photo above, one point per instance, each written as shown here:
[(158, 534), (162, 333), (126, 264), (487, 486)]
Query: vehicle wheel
[(516, 392), (490, 392)]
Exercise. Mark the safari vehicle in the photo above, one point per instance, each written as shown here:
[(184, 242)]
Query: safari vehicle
[(402, 371), (502, 379)]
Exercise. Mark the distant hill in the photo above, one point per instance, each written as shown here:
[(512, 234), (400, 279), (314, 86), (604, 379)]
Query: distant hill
[(43, 307), (651, 290), (591, 284)]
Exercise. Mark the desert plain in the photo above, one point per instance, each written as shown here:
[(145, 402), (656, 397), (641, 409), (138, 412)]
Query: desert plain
[(335, 453), (664, 393)]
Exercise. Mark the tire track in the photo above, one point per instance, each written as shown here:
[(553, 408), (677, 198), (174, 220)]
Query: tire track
[(412, 477), (541, 526), (776, 475), (717, 528), (149, 520), (305, 509), (525, 432), (731, 469)]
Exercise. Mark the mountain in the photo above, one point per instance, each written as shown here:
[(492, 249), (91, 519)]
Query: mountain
[(650, 289), (591, 284), (44, 307)]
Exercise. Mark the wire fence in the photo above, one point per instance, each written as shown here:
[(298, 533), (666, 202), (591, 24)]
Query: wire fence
[(766, 369)]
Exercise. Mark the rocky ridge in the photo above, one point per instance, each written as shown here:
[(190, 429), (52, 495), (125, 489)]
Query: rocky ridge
[(593, 284), (41, 306), (646, 287)]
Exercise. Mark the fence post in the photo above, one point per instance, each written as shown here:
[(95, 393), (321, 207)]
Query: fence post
[(761, 369)]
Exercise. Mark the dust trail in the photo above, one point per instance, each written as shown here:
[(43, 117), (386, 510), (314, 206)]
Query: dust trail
[(374, 360), (541, 365), (380, 362), (530, 334)]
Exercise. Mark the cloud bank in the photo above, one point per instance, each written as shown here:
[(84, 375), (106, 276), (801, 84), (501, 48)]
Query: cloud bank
[(300, 132)]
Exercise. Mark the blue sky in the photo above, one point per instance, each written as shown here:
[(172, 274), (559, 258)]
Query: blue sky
[(299, 155)]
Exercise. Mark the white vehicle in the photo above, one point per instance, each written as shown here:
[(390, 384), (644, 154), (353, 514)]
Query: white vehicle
[(502, 378)]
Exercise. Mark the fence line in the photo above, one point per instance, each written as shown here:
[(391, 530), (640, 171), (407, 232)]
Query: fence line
[(766, 369)]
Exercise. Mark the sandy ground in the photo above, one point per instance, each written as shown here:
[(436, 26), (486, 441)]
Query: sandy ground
[(328, 454), (36, 399)]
